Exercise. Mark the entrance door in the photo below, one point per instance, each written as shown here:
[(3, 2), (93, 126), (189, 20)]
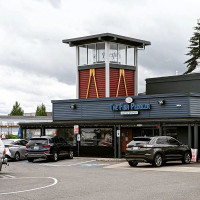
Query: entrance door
[(127, 136)]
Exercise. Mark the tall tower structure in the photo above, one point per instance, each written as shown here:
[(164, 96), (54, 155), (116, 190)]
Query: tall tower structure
[(107, 65)]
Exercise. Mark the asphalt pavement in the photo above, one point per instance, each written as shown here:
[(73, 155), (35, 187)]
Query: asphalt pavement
[(91, 178)]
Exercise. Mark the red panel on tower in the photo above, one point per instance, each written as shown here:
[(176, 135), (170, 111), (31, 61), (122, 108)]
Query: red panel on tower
[(117, 84), (85, 79)]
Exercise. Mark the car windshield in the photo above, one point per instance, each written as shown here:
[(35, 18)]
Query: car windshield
[(38, 141), (7, 142)]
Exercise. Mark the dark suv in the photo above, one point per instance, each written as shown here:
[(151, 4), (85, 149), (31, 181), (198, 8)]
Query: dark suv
[(156, 150), (48, 147)]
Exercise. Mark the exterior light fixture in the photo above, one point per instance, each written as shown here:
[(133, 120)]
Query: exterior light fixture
[(178, 105), (161, 102), (73, 106)]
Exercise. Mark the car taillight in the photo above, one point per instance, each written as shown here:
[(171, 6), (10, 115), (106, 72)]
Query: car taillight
[(46, 145), (28, 146), (4, 152)]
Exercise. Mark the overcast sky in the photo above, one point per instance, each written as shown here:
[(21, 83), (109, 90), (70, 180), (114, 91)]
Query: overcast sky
[(36, 67)]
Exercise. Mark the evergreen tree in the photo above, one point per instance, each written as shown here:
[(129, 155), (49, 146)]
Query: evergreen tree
[(194, 49), (17, 110), (41, 110)]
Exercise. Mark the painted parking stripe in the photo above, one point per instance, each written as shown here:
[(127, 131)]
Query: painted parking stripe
[(56, 165), (93, 165), (125, 165), (55, 181), (6, 176)]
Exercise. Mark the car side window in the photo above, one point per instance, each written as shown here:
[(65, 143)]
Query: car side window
[(161, 141), (18, 143), (23, 142), (51, 140), (172, 141)]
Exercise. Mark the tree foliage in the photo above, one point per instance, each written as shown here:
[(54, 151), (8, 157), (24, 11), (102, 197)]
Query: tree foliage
[(194, 51), (16, 110), (41, 110)]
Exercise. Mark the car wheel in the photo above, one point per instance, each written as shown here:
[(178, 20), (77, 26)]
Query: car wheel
[(186, 158), (158, 161), (17, 156), (133, 163), (30, 159), (55, 156), (71, 154)]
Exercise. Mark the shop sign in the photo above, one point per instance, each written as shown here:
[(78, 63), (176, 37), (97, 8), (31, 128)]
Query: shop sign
[(76, 129), (78, 137), (118, 133), (194, 155), (129, 107), (129, 112)]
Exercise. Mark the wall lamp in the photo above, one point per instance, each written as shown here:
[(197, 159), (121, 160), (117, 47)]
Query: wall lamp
[(161, 102), (73, 106)]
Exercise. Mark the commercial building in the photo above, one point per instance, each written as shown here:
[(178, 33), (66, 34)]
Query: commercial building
[(108, 110)]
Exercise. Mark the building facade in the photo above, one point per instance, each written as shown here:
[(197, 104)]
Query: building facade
[(108, 111)]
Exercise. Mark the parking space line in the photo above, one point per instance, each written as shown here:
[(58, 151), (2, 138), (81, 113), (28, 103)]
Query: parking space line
[(56, 165), (33, 189), (6, 176)]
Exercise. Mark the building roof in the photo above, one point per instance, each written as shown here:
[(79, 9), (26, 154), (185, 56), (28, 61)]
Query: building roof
[(106, 37)]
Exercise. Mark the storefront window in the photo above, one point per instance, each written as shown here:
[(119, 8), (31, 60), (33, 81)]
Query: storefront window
[(50, 132), (170, 131), (96, 137), (67, 134), (149, 132), (30, 133)]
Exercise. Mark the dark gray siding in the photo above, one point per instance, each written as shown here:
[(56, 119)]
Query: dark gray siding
[(173, 84), (176, 106), (195, 106)]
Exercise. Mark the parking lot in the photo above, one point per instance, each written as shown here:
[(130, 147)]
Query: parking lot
[(90, 178)]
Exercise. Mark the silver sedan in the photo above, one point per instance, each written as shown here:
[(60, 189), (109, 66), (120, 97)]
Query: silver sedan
[(15, 148)]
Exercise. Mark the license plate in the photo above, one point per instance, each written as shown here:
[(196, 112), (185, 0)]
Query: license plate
[(135, 148), (36, 148)]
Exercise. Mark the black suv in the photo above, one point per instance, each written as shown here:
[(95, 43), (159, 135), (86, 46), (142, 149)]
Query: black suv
[(48, 147), (156, 150)]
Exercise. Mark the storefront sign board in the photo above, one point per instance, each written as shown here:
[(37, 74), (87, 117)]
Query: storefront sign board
[(76, 129)]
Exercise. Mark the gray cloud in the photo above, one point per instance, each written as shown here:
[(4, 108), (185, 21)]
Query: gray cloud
[(31, 34)]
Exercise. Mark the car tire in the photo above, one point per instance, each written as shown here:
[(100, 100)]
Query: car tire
[(186, 158), (158, 160), (55, 156), (17, 156), (71, 155), (30, 159), (133, 163)]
